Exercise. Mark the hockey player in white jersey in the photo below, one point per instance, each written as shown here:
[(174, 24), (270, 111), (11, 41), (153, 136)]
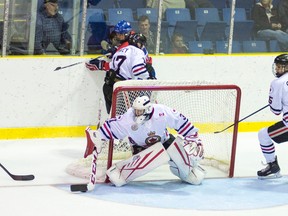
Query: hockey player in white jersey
[(130, 61), (145, 124), (278, 132)]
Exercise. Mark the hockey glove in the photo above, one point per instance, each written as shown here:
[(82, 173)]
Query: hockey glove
[(97, 64), (194, 148)]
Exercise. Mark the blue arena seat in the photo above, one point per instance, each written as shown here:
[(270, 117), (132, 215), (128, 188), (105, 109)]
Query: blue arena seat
[(95, 15), (240, 15), (203, 15), (243, 30), (188, 29), (222, 47), (177, 14), (200, 47), (117, 14), (254, 46), (247, 4), (220, 4), (152, 13), (213, 31), (106, 4), (133, 4), (274, 46)]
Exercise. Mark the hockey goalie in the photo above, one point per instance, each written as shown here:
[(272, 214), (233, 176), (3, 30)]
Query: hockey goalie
[(146, 126)]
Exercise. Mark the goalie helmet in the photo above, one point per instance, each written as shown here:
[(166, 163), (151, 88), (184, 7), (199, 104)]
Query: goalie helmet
[(142, 109), (280, 65), (138, 40)]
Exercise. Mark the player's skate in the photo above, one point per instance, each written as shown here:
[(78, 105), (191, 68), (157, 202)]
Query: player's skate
[(90, 143), (272, 170)]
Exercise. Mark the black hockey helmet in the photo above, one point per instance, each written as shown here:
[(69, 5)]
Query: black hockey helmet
[(138, 40), (282, 60)]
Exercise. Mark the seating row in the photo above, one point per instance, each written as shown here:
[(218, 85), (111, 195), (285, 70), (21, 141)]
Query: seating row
[(172, 15), (252, 46)]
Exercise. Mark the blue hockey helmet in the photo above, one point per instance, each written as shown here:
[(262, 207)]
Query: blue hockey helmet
[(123, 27)]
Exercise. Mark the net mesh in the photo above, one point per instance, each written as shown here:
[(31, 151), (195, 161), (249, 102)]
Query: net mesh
[(209, 106)]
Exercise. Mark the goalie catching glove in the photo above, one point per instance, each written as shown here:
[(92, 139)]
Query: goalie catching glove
[(97, 64), (194, 148)]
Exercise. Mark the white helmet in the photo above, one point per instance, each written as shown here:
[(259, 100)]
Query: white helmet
[(142, 103)]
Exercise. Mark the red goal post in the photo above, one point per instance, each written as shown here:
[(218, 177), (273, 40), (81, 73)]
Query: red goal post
[(209, 106)]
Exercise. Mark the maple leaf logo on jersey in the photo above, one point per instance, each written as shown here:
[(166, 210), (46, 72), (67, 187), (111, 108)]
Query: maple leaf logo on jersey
[(152, 138)]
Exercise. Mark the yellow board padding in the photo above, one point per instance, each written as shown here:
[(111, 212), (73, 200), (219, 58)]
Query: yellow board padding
[(79, 131)]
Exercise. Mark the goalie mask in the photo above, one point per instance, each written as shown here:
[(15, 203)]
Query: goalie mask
[(142, 109), (280, 65)]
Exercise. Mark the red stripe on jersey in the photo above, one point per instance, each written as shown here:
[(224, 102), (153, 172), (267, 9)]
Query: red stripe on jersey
[(136, 70), (185, 128), (108, 130)]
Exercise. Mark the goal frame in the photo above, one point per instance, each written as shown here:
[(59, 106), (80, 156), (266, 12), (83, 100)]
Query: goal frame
[(179, 88)]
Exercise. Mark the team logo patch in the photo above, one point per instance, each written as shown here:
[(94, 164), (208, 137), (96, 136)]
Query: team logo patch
[(152, 138), (134, 127)]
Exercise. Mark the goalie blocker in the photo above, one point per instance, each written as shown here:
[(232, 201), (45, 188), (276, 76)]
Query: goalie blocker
[(183, 157)]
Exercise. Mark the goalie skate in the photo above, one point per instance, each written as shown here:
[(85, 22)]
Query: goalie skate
[(272, 170)]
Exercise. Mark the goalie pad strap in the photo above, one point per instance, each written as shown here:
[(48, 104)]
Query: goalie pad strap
[(138, 165)]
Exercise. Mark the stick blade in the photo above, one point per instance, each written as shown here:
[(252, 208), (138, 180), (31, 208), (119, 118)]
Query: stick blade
[(58, 68), (79, 188), (23, 177)]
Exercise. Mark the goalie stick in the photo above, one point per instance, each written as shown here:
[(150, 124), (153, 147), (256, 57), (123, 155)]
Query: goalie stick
[(242, 119), (92, 181), (18, 177)]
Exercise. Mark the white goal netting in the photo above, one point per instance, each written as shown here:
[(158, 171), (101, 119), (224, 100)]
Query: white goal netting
[(210, 107)]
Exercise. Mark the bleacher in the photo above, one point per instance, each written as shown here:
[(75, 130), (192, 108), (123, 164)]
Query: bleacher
[(206, 31), (209, 24)]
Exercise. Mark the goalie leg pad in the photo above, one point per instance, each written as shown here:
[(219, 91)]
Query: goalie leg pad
[(182, 166), (138, 165)]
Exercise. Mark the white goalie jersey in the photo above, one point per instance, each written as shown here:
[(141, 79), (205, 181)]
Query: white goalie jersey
[(151, 131)]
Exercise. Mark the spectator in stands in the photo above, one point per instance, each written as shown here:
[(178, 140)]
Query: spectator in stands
[(267, 25), (192, 4), (144, 28), (166, 4), (51, 29), (283, 14), (178, 45)]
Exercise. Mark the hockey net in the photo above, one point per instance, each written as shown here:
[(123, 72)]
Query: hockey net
[(210, 107)]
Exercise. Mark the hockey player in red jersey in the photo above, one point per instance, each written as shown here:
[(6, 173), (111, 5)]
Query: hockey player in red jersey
[(130, 61), (278, 132), (145, 124)]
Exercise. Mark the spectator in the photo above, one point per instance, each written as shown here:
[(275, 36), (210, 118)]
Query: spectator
[(267, 25), (283, 14), (166, 4), (51, 28), (144, 28), (178, 45), (192, 4)]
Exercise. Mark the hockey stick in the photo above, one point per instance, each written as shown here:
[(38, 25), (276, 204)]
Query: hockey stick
[(92, 181), (18, 177), (71, 65), (242, 119)]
